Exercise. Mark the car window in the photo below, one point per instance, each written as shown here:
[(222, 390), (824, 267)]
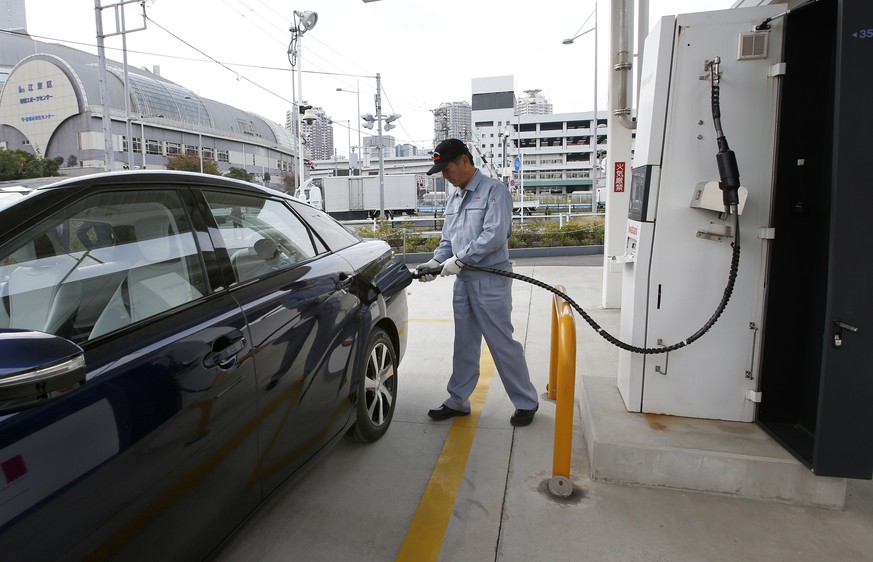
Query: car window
[(100, 264), (261, 235), (335, 235)]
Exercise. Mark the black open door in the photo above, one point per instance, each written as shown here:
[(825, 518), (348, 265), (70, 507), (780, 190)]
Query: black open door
[(816, 375)]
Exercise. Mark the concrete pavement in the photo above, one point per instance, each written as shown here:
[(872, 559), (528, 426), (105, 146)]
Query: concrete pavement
[(360, 501)]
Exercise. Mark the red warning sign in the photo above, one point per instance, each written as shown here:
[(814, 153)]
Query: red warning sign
[(619, 177)]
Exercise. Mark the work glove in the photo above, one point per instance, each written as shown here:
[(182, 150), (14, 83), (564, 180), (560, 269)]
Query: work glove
[(451, 266), (432, 264)]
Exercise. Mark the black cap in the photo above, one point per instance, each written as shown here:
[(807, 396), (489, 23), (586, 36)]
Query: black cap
[(447, 151)]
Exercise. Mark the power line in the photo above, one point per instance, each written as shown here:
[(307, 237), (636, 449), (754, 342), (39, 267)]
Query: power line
[(221, 64)]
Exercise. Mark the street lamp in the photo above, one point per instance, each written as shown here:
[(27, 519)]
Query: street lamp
[(357, 92), (596, 167), (199, 133), (303, 22)]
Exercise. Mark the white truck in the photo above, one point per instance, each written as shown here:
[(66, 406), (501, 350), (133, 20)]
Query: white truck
[(599, 200), (357, 197)]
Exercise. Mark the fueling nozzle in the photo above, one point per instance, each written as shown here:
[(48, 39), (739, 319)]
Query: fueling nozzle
[(729, 173), (418, 273)]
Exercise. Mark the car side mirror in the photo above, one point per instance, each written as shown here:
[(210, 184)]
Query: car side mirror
[(36, 368)]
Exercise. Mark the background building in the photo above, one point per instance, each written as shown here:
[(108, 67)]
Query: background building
[(50, 105), (371, 147), (560, 153), (318, 136), (452, 120), (406, 150), (533, 103), (12, 16)]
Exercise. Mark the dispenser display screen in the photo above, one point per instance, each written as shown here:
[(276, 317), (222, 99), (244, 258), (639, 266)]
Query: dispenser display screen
[(641, 180)]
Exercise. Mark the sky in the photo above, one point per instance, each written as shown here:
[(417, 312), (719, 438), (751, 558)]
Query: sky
[(427, 53)]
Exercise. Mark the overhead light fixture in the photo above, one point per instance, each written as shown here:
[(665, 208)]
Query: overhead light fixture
[(307, 20)]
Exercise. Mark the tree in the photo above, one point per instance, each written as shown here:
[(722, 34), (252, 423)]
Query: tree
[(19, 164), (239, 174), (288, 181), (189, 163), (72, 161)]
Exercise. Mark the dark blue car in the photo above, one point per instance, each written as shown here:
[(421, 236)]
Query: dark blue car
[(174, 347)]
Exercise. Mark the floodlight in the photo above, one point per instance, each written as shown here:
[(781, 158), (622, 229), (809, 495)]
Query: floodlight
[(307, 20)]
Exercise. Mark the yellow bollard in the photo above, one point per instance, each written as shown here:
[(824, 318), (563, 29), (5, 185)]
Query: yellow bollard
[(563, 364), (555, 347)]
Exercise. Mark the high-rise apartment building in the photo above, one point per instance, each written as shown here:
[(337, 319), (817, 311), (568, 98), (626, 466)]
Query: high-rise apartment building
[(533, 104), (318, 136), (452, 120)]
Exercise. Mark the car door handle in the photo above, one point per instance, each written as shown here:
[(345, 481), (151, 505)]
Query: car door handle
[(224, 352)]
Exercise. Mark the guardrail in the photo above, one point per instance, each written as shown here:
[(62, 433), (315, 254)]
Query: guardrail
[(562, 389)]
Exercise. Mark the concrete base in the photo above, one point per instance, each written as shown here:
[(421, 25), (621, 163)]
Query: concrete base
[(733, 458)]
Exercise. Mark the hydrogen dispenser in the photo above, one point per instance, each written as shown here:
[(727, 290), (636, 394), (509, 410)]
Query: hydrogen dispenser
[(777, 294), (679, 237)]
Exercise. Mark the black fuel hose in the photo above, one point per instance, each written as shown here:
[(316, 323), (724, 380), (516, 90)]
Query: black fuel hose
[(726, 295), (728, 290)]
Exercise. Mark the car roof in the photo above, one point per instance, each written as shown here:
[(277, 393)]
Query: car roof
[(14, 192), (135, 178)]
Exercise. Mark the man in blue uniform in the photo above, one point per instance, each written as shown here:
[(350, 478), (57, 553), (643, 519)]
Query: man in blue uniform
[(476, 232)]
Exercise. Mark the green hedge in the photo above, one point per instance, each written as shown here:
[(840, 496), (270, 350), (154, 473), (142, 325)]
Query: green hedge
[(533, 233)]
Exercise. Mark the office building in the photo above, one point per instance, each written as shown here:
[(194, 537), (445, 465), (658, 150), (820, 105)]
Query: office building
[(558, 153)]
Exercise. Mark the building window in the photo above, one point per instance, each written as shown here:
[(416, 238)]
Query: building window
[(153, 147), (173, 148), (223, 156), (190, 150)]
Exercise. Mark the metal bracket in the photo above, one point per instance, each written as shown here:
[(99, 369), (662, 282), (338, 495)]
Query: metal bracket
[(716, 232), (658, 369)]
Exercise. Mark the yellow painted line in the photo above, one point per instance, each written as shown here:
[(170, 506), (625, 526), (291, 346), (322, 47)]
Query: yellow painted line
[(424, 539)]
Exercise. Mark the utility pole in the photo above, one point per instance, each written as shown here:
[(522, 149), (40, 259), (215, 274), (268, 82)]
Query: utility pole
[(121, 29), (109, 156), (381, 148), (369, 120)]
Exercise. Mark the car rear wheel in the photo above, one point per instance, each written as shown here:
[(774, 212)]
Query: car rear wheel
[(377, 390)]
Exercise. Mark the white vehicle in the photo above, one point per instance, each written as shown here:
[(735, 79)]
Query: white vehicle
[(358, 197), (528, 206), (600, 199)]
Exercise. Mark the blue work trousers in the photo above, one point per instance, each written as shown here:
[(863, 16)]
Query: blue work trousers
[(482, 306)]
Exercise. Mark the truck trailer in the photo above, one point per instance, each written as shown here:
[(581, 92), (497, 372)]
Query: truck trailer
[(358, 197)]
